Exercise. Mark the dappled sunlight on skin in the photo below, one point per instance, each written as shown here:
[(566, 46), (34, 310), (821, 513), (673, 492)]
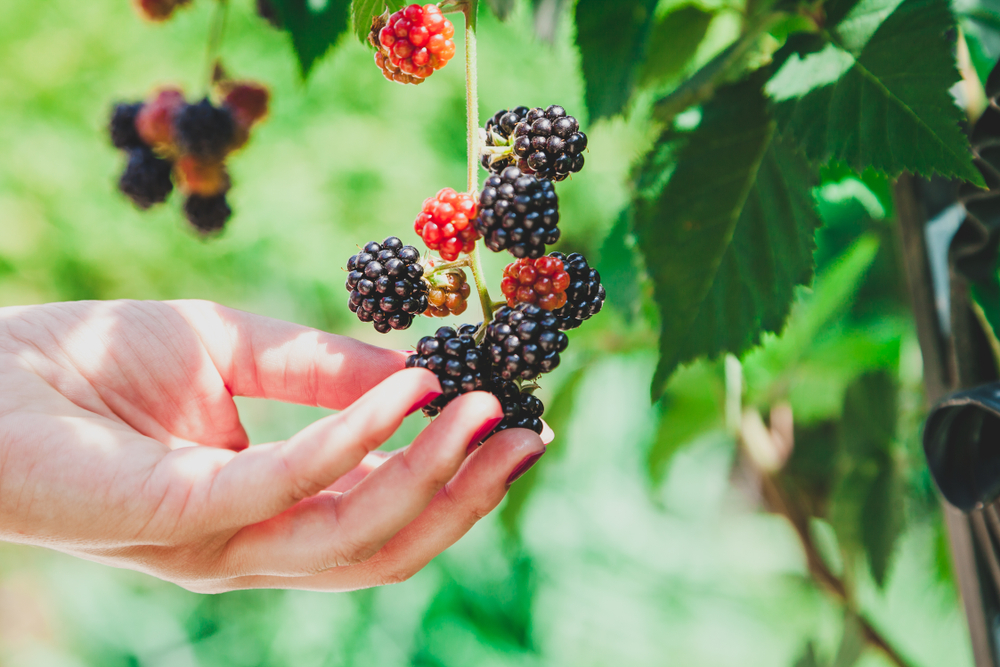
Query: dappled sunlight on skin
[(120, 443)]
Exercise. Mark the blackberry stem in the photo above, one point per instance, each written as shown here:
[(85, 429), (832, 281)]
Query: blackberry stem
[(215, 32), (472, 134)]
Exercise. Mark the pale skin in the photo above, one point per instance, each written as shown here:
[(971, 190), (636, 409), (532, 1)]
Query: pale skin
[(120, 443)]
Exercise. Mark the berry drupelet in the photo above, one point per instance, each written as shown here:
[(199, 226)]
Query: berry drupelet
[(460, 365), (412, 43), (518, 213), (204, 131), (445, 223), (498, 131), (387, 285), (541, 281), (524, 342), (121, 127), (521, 409), (585, 293), (549, 143)]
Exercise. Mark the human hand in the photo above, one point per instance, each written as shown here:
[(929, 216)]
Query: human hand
[(120, 443)]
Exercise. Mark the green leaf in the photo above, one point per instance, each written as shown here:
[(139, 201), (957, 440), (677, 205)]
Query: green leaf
[(876, 93), (866, 507), (363, 11), (771, 253), (851, 643), (691, 405), (313, 31), (685, 231), (502, 8), (672, 43), (617, 266), (883, 519), (612, 39), (808, 657)]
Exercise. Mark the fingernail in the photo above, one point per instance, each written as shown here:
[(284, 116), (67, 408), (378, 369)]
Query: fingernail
[(431, 395), (483, 431), (523, 467)]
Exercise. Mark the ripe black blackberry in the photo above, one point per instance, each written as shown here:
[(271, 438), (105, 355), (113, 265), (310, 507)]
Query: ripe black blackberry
[(524, 341), (146, 179), (460, 365), (499, 130), (585, 294), (387, 285), (549, 143), (521, 409), (207, 214), (204, 131), (519, 213), (121, 127)]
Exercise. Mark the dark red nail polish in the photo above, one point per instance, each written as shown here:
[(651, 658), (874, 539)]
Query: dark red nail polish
[(431, 395), (523, 467), (483, 431)]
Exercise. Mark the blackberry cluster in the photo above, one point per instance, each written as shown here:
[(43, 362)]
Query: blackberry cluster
[(387, 285), (519, 213), (549, 143), (169, 141), (460, 365), (521, 409), (524, 341), (541, 281), (499, 129), (585, 294)]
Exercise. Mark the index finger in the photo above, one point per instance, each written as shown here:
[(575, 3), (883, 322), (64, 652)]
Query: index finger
[(262, 357)]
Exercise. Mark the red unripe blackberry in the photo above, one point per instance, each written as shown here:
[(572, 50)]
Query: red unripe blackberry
[(414, 41), (155, 121), (541, 281), (521, 409), (498, 131), (387, 285), (524, 341), (246, 101), (204, 130), (158, 10), (585, 294), (198, 177), (460, 365), (547, 142), (448, 294), (146, 179), (519, 213), (207, 214), (121, 126), (445, 223)]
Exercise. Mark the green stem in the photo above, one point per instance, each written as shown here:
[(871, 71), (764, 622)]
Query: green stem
[(472, 133), (218, 27)]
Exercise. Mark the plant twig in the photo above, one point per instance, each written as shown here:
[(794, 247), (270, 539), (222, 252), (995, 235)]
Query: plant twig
[(215, 32)]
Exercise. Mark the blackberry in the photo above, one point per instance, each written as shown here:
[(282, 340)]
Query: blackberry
[(203, 130), (521, 409), (460, 365), (585, 294), (146, 179), (499, 130), (549, 143), (414, 42), (387, 285), (124, 135), (524, 341), (541, 281), (207, 214), (519, 213)]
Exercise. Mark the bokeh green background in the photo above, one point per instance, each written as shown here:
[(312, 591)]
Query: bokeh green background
[(641, 542)]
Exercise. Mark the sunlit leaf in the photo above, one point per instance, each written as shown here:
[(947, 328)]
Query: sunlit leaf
[(672, 43)]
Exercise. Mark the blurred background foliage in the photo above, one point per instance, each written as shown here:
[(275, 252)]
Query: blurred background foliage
[(650, 534)]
